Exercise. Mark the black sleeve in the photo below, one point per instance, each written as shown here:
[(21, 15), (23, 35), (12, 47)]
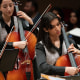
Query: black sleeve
[(26, 26), (9, 45), (42, 64), (29, 27)]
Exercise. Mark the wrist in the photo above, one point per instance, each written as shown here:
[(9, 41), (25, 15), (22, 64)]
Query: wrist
[(15, 44), (29, 20), (66, 69)]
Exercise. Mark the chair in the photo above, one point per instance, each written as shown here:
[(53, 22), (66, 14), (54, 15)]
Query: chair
[(35, 69)]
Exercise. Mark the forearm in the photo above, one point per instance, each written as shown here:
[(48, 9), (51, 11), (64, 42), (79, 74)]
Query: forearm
[(51, 70), (9, 45), (29, 20)]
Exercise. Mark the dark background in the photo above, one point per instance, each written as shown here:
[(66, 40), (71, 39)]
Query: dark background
[(67, 4)]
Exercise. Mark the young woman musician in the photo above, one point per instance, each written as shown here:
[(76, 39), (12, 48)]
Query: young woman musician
[(51, 46), (7, 21)]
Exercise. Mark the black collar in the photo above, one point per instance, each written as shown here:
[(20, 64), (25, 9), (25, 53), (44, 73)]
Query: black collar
[(4, 25)]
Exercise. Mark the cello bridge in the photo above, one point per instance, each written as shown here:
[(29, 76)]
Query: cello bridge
[(26, 61)]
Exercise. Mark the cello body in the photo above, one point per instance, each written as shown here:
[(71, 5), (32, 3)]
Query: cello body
[(1, 76), (20, 73), (64, 61), (31, 41)]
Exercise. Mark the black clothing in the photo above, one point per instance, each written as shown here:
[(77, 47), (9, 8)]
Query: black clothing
[(43, 66), (3, 24)]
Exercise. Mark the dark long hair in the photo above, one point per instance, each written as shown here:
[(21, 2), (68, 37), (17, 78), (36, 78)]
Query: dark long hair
[(70, 25), (60, 12), (2, 0), (45, 23)]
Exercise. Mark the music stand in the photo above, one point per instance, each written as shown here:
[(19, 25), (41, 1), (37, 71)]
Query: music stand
[(8, 60), (75, 34)]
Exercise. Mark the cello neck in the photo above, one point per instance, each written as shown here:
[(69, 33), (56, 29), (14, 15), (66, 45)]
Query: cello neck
[(21, 29), (20, 25), (71, 57)]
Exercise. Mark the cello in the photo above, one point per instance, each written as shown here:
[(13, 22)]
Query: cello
[(20, 71), (25, 69), (69, 59), (19, 74)]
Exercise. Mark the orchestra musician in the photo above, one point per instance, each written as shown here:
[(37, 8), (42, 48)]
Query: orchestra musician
[(7, 21), (51, 46)]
